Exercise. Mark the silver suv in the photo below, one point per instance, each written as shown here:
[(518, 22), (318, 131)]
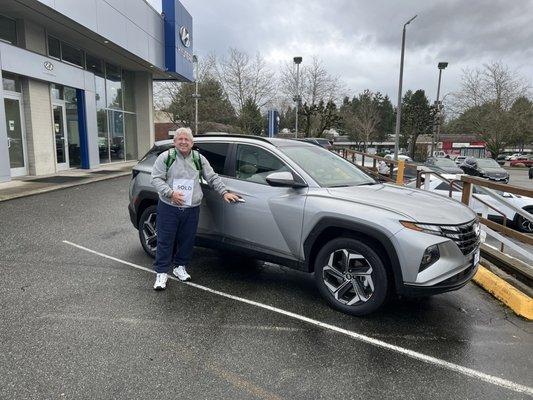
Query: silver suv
[(307, 208)]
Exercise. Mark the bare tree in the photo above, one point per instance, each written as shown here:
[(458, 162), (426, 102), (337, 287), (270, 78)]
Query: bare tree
[(366, 116), (246, 78), (316, 86), (495, 83)]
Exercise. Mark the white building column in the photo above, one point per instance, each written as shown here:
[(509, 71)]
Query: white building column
[(144, 108)]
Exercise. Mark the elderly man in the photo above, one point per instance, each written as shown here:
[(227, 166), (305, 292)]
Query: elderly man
[(176, 176)]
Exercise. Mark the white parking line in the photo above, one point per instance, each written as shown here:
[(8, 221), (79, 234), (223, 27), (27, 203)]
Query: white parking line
[(504, 383)]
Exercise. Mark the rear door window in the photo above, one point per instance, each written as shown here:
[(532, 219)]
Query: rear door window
[(216, 154)]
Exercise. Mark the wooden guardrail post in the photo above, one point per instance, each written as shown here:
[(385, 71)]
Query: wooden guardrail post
[(467, 192), (399, 175)]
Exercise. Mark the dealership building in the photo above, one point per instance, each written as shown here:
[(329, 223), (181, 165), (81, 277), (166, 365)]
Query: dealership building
[(77, 80)]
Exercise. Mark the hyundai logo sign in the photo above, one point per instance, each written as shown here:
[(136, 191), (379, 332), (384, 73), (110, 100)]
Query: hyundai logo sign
[(185, 36), (48, 65)]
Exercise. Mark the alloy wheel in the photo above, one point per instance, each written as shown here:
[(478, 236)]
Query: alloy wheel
[(348, 276), (149, 232)]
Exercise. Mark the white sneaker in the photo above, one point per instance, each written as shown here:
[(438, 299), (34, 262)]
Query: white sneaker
[(160, 281), (181, 273)]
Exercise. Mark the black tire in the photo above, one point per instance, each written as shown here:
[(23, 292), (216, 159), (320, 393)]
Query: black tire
[(352, 292), (523, 224), (147, 224)]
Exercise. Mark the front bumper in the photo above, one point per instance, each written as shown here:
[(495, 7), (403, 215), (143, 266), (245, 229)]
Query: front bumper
[(450, 272)]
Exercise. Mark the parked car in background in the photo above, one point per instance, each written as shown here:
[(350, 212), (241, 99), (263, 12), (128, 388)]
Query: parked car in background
[(401, 157), (485, 168), (309, 209), (443, 164), (460, 159), (440, 186), (524, 161), (513, 156), (325, 143)]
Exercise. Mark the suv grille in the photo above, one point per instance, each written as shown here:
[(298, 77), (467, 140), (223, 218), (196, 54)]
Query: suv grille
[(465, 236)]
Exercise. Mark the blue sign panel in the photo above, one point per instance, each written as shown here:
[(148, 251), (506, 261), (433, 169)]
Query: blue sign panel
[(178, 40), (273, 123)]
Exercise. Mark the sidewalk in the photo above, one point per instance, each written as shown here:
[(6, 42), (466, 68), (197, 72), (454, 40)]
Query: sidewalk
[(30, 185)]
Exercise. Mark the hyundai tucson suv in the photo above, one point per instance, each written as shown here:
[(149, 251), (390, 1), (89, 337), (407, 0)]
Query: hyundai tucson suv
[(307, 208)]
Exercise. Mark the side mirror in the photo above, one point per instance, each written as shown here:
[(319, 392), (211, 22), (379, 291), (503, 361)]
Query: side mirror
[(283, 179)]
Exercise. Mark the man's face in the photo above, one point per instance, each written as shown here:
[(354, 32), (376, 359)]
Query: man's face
[(183, 143)]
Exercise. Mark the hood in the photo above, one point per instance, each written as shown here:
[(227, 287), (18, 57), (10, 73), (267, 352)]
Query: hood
[(415, 204), (495, 171), (452, 170)]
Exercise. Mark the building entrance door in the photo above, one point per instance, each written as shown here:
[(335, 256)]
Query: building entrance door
[(60, 136), (16, 134)]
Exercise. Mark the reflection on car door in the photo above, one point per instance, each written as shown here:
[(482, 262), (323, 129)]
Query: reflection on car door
[(270, 219), (211, 224)]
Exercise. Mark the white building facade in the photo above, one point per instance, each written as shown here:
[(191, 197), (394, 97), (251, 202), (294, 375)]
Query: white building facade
[(77, 80)]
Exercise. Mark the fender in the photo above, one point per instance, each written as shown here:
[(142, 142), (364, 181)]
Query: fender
[(358, 229)]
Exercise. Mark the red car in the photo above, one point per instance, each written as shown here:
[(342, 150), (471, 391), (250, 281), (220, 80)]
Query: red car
[(524, 160)]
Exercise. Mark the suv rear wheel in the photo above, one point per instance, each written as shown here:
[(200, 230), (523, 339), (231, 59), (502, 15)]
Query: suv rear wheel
[(147, 230), (351, 276)]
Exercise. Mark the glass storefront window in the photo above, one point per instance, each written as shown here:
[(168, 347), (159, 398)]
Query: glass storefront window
[(128, 82), (116, 135), (73, 134), (8, 30), (57, 91), (95, 65), (71, 54), (54, 48), (11, 82), (130, 133), (103, 141), (113, 86)]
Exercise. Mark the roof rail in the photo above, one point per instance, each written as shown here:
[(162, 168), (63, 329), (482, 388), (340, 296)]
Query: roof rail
[(234, 135)]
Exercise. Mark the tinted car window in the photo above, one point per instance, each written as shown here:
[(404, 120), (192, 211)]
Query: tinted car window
[(215, 153), (254, 164)]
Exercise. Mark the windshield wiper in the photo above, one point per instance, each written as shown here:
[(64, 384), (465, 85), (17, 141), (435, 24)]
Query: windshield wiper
[(338, 186), (368, 184)]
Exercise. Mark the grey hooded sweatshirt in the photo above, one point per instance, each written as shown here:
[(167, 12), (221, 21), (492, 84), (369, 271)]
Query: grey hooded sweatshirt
[(183, 168)]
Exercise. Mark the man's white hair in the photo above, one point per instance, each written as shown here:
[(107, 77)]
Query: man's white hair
[(186, 131)]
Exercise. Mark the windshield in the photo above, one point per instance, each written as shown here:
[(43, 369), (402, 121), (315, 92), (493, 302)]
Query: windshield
[(445, 162), (327, 168), (487, 163)]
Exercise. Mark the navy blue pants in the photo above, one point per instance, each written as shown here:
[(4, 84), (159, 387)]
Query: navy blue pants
[(176, 229)]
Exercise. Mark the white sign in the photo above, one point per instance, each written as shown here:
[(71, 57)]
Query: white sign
[(184, 186), (11, 125)]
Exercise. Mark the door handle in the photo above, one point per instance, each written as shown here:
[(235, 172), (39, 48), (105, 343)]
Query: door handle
[(8, 142)]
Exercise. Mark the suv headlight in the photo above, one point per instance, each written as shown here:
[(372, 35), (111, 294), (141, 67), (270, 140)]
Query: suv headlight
[(426, 228)]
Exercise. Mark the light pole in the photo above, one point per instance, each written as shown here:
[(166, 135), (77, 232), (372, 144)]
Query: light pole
[(196, 95), (399, 108), (436, 121), (297, 61)]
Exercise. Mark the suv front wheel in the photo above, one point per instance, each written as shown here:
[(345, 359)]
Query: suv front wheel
[(148, 230), (351, 276)]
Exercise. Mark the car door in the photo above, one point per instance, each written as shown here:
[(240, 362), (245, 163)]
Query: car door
[(270, 218), (211, 223)]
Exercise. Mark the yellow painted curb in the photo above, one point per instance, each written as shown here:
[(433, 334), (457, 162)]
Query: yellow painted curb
[(517, 301)]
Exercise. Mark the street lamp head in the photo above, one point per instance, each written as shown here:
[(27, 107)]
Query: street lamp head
[(442, 65), (408, 22), (297, 60)]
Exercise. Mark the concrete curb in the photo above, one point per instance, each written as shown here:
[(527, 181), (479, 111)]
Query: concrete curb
[(63, 186), (520, 303)]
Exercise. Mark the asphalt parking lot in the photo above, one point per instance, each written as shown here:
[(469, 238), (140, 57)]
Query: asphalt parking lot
[(79, 324)]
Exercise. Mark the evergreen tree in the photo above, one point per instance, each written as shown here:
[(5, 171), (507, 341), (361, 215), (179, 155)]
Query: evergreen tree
[(250, 119)]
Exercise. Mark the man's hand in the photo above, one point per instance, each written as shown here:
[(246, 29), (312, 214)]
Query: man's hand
[(230, 197), (178, 198)]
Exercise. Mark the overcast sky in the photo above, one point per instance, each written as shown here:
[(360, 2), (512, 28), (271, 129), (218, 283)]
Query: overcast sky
[(360, 41)]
